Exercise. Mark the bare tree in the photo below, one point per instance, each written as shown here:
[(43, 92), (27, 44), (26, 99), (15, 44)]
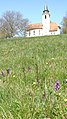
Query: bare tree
[(12, 23)]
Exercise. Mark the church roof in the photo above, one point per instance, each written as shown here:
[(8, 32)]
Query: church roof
[(53, 26), (34, 26)]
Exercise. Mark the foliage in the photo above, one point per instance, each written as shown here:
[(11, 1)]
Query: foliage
[(33, 78), (64, 24), (12, 23)]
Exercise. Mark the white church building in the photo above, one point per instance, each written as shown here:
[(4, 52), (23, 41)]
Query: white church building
[(45, 28)]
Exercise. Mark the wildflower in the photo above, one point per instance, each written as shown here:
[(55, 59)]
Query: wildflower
[(44, 94), (52, 58), (29, 69), (0, 79), (59, 93), (46, 63), (8, 71), (65, 100), (34, 83), (2, 73), (57, 85), (13, 76)]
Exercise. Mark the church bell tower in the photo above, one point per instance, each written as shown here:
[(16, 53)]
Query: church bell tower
[(46, 20)]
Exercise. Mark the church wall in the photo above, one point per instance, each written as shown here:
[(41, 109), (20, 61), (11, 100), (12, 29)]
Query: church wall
[(55, 32), (34, 33)]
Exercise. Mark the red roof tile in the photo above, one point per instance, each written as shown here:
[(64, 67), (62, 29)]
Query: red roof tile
[(34, 26), (53, 26)]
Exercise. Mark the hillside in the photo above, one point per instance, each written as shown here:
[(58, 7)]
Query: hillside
[(29, 71)]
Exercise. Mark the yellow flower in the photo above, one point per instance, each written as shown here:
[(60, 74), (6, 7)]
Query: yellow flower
[(52, 58), (46, 63), (65, 100), (13, 75), (34, 83)]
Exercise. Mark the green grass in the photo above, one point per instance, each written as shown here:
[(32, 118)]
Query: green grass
[(35, 64)]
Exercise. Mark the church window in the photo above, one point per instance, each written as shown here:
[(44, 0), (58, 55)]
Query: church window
[(45, 16), (39, 32), (29, 33), (34, 32), (54, 33)]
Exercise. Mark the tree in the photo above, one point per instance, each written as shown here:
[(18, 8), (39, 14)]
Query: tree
[(12, 24), (64, 24)]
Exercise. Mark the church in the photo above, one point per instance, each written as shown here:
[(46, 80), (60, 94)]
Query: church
[(45, 28)]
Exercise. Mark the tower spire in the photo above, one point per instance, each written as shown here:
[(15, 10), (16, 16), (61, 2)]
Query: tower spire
[(45, 8)]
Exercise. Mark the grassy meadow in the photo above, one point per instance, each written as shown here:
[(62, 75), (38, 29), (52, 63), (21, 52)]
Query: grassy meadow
[(29, 71)]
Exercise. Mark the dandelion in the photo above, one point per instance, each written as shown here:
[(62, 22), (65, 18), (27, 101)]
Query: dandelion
[(13, 76), (52, 58), (46, 63), (65, 100), (66, 80), (59, 93), (57, 85), (34, 83)]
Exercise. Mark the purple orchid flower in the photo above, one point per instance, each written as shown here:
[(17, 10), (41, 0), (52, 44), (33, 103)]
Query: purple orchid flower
[(8, 71), (2, 73), (29, 69), (57, 85)]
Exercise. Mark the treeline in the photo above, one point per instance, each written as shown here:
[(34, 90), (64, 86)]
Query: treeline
[(64, 24), (12, 24)]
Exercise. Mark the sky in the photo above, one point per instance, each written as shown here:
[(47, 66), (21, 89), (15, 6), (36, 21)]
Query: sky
[(32, 9)]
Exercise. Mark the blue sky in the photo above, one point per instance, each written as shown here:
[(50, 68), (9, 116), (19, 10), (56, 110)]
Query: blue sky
[(32, 9)]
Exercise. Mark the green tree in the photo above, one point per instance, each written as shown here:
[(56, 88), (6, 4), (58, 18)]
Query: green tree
[(12, 24), (64, 24)]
